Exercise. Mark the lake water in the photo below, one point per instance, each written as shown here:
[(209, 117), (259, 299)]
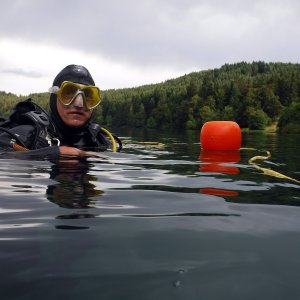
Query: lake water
[(154, 222)]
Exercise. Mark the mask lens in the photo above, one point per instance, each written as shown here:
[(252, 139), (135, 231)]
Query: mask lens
[(92, 96), (67, 92)]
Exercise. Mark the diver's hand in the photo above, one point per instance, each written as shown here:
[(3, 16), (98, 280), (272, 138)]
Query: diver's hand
[(71, 151)]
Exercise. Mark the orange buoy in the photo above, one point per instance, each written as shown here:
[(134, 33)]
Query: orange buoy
[(221, 135)]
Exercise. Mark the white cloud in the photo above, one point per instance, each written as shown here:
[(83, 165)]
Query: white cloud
[(30, 67)]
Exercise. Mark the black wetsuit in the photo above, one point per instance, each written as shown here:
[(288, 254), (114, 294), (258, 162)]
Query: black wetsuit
[(42, 134)]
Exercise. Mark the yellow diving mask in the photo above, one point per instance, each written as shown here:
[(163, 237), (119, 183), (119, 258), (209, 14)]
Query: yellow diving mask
[(68, 91)]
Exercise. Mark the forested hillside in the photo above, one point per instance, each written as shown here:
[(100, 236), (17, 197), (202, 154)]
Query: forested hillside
[(252, 94)]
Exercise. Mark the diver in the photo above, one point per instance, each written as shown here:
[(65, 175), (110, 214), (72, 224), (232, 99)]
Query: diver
[(69, 129)]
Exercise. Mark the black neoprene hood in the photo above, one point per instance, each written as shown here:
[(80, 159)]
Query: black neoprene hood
[(74, 73)]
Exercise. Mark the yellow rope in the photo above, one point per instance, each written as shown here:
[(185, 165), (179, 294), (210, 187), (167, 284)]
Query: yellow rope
[(268, 171), (146, 144)]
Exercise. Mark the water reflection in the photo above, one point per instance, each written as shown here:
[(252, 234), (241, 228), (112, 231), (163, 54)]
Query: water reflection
[(216, 161), (73, 187)]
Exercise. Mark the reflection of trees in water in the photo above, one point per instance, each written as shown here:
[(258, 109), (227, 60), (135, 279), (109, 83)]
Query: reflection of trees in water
[(73, 187)]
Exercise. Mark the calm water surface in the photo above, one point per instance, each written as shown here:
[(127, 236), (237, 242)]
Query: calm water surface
[(154, 222)]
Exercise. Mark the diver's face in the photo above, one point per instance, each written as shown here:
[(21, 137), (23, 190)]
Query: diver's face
[(75, 114)]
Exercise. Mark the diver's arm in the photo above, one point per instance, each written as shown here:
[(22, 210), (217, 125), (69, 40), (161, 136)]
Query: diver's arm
[(71, 151), (51, 151), (13, 142), (46, 152), (57, 151)]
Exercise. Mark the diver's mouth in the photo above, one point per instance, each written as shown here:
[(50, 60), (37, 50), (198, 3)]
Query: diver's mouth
[(80, 113)]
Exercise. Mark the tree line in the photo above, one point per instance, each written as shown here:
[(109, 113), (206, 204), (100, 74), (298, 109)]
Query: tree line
[(252, 94)]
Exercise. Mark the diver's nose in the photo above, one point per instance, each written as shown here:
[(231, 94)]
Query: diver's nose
[(78, 101)]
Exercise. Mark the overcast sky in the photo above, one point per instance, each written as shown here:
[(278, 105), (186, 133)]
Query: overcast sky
[(127, 43)]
